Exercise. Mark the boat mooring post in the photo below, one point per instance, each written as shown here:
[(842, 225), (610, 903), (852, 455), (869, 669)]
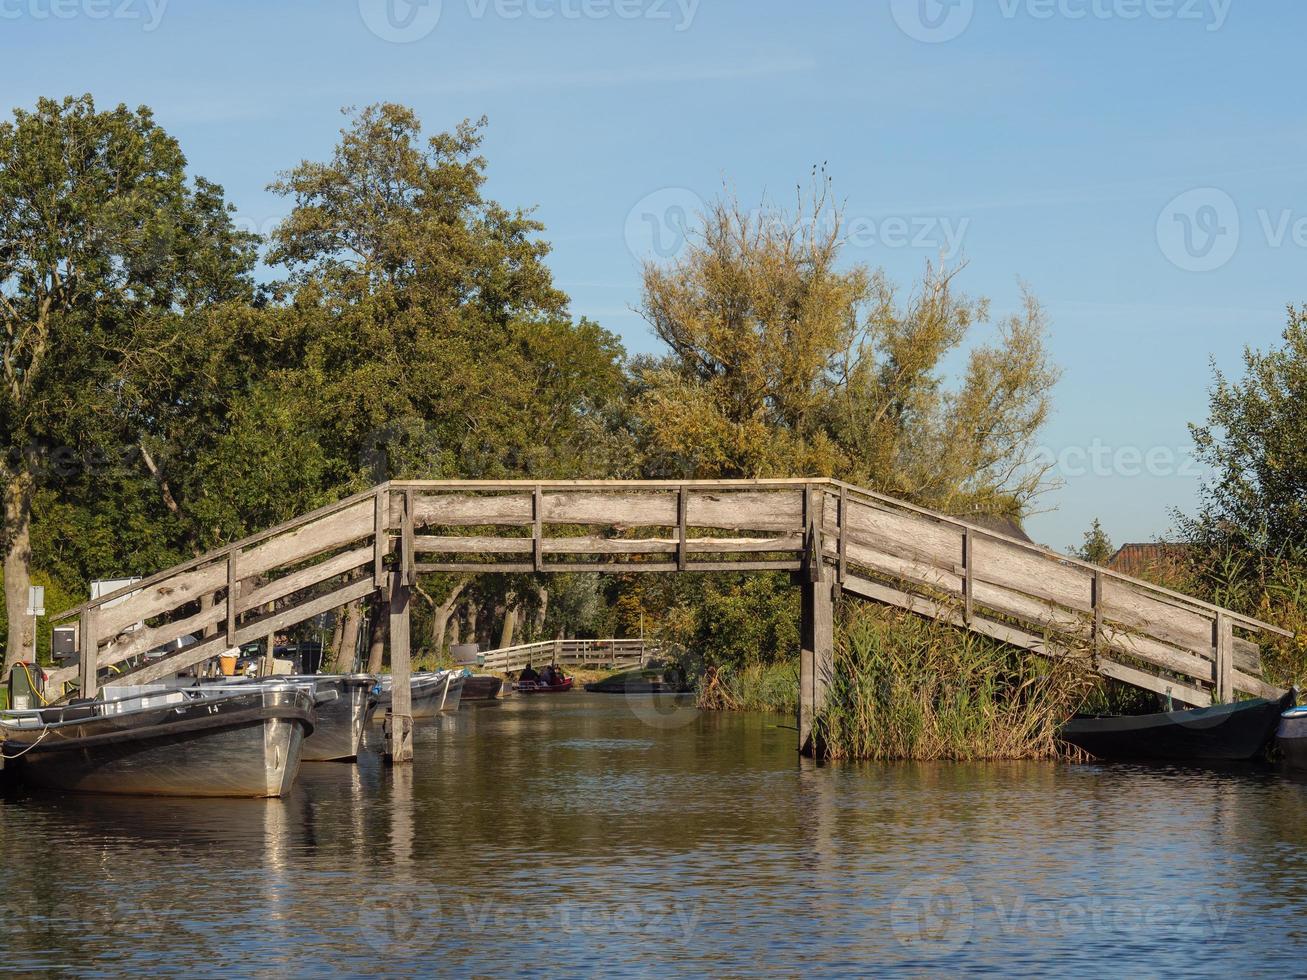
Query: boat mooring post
[(399, 719)]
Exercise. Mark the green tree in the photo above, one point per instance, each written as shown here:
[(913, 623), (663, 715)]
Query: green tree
[(100, 232), (1255, 442), (1097, 547)]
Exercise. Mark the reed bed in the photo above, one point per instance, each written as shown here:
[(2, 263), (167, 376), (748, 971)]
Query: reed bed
[(755, 687), (907, 688)]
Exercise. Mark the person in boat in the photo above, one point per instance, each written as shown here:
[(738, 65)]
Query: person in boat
[(547, 676), (528, 675)]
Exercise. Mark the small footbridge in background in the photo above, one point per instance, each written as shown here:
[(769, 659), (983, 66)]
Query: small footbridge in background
[(831, 537)]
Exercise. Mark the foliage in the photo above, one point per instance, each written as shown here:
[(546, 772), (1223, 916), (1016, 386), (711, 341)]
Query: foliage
[(1248, 540), (755, 687), (906, 688), (101, 234), (1097, 547), (784, 362)]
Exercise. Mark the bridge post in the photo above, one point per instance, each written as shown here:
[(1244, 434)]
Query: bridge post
[(399, 719), (817, 656)]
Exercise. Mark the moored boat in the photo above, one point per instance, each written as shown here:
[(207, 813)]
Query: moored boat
[(1227, 732), (341, 702), (432, 693), (648, 680), (1291, 737), (181, 742), (482, 688)]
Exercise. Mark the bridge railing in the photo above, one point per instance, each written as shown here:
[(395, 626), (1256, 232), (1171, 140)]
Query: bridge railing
[(875, 546)]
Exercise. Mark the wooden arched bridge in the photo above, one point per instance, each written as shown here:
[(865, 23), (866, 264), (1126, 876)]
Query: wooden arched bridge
[(830, 535)]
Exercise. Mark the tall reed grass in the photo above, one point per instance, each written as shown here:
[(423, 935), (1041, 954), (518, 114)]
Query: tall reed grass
[(907, 688), (755, 687)]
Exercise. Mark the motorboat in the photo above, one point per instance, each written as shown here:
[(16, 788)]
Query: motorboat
[(433, 693), (1291, 737), (237, 741)]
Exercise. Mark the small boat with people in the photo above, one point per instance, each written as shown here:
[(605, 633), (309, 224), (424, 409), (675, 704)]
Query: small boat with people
[(550, 680), (1291, 737), (1228, 732), (230, 741)]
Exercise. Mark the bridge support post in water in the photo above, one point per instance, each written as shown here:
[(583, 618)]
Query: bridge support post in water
[(817, 656), (399, 719)]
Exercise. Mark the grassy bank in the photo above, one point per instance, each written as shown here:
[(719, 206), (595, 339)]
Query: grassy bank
[(905, 688)]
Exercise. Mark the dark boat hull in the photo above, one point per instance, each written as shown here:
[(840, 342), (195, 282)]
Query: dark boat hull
[(1230, 732), (236, 746), (342, 709), (1292, 741), (645, 681), (482, 688)]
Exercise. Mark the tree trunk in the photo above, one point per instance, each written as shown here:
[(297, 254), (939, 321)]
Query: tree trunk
[(377, 642), (21, 644), (440, 616), (456, 629), (510, 620), (542, 610), (347, 649), (472, 623)]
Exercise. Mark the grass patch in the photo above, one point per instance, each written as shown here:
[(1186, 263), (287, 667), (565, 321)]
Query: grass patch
[(906, 688)]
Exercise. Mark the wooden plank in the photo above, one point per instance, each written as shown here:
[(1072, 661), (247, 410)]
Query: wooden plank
[(816, 654), (592, 545), (475, 568), (1157, 615), (632, 509), (471, 510), (968, 579), (1224, 659), (917, 572), (173, 663), (399, 718), (162, 597), (843, 521), (1255, 686), (233, 595), (730, 546), (756, 510), (309, 540), (306, 578), (380, 540), (89, 641), (682, 528), (908, 534), (1031, 572), (406, 530), (537, 528), (143, 640), (1183, 693), (472, 545)]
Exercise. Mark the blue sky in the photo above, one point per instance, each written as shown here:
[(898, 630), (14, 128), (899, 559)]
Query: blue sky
[(1139, 163)]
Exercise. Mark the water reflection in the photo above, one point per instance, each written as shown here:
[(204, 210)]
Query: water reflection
[(576, 835)]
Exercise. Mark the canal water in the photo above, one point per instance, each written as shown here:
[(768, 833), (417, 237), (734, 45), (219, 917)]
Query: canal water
[(584, 834)]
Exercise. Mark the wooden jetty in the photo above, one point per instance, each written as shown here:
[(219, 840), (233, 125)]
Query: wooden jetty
[(832, 537)]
